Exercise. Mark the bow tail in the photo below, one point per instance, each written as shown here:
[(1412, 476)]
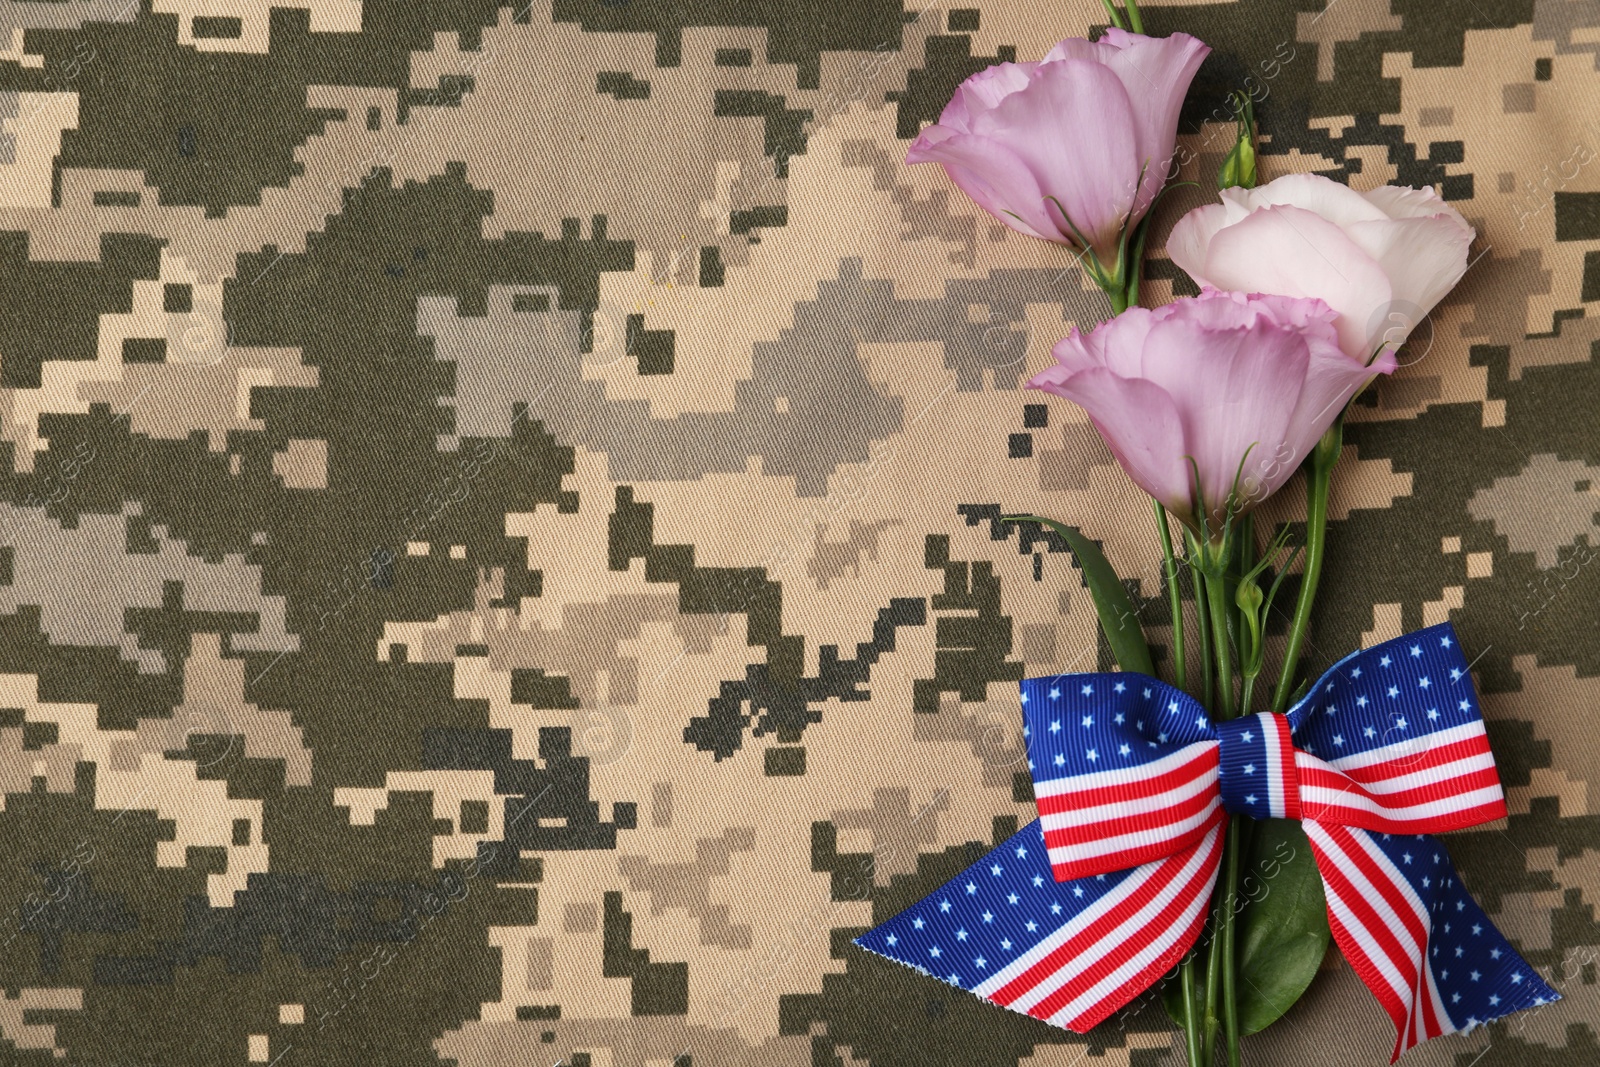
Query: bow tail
[(1415, 937), (1069, 953)]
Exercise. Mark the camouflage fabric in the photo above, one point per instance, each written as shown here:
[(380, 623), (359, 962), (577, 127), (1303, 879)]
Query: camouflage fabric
[(500, 559)]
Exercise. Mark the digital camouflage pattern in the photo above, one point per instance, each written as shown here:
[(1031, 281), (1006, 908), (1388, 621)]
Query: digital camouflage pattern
[(501, 559)]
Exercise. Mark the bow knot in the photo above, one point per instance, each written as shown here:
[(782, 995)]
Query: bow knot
[(1256, 766)]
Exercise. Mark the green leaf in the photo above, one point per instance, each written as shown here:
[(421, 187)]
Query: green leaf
[(1119, 619), (1283, 925)]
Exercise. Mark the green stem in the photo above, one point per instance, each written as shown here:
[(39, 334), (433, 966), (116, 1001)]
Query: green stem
[(1136, 264), (1135, 23), (1319, 476), (1243, 544), (1217, 597), (1113, 14), (1208, 1040), (1202, 617), (1119, 300), (1231, 848), (1246, 693), (1191, 1008), (1220, 962), (1186, 975), (1174, 599)]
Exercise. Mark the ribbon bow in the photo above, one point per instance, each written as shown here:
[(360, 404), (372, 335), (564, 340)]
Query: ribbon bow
[(1086, 907)]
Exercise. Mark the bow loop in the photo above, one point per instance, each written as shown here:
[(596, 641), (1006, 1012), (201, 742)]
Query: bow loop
[(1124, 770)]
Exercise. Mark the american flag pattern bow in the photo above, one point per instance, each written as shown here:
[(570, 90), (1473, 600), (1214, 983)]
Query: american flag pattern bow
[(1086, 907)]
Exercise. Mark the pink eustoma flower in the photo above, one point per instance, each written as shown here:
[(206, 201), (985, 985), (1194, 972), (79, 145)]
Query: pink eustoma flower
[(1085, 135), (1215, 398), (1381, 259)]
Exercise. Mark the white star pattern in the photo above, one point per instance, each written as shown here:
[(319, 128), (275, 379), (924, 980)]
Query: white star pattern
[(1088, 690), (1118, 688)]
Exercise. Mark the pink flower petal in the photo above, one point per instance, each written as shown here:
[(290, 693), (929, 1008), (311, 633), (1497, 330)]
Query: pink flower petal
[(1073, 129), (1424, 257), (1339, 204), (1140, 424), (1099, 51), (983, 91), (1238, 388), (1156, 71), (1404, 202), (1293, 252), (991, 175)]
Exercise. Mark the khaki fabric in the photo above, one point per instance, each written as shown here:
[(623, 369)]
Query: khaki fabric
[(500, 559)]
